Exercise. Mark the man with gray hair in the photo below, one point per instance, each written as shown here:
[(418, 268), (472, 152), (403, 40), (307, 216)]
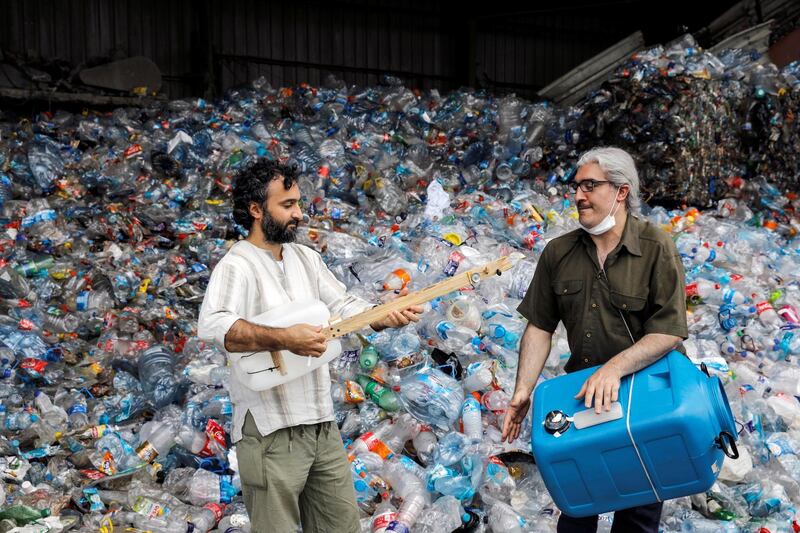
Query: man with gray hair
[(617, 283)]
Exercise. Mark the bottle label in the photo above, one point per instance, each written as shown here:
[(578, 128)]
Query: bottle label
[(727, 295), (376, 445), (95, 503), (376, 390), (789, 314), (382, 521), (353, 392), (95, 432), (132, 151), (32, 364), (108, 465), (397, 527), (238, 520), (76, 409), (764, 306), (146, 452), (348, 356), (217, 509), (92, 474), (149, 508), (453, 263), (442, 328), (691, 289), (215, 434), (82, 301)]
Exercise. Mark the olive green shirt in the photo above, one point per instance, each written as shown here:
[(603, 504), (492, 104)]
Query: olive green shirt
[(643, 281)]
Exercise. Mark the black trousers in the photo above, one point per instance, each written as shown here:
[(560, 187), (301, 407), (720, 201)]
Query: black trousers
[(642, 519)]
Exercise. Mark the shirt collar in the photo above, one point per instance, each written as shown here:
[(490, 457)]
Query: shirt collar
[(630, 236)]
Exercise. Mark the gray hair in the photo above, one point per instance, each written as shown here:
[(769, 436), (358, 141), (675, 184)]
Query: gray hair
[(620, 170)]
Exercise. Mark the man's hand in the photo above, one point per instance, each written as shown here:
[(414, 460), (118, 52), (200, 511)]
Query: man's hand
[(305, 339), (602, 387), (398, 319), (515, 415)]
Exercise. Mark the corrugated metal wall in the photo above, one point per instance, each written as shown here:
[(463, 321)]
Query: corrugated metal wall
[(215, 44), (296, 42)]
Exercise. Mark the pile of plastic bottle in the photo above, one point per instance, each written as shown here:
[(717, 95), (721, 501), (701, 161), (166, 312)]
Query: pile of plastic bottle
[(113, 415), (702, 124)]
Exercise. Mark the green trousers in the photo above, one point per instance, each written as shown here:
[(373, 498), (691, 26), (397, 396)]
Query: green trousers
[(297, 479)]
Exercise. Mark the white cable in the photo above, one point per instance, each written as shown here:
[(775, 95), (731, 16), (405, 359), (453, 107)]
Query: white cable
[(628, 416), (630, 435)]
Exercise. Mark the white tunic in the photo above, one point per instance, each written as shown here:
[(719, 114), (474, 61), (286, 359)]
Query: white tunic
[(246, 283)]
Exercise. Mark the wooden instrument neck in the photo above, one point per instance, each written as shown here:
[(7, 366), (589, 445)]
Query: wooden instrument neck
[(339, 328)]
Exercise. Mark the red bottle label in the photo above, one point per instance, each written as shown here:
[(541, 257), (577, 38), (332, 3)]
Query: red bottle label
[(215, 434), (763, 306)]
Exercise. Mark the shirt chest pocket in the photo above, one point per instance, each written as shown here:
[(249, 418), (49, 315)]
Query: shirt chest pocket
[(633, 309), (628, 302), (570, 296)]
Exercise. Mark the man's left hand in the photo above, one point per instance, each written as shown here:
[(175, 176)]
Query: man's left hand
[(602, 387), (398, 319)]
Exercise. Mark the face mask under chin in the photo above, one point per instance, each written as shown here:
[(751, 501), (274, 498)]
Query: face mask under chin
[(604, 225)]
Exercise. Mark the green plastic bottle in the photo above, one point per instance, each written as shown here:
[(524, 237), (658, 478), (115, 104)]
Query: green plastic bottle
[(22, 514), (368, 357), (385, 398)]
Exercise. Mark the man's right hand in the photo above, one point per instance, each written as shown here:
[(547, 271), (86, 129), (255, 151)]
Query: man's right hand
[(515, 415), (305, 339)]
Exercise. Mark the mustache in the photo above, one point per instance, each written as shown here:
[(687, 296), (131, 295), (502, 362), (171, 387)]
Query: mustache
[(582, 205)]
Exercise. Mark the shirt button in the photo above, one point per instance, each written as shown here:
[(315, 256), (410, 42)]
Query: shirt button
[(565, 291), (624, 306), (585, 359), (589, 334), (594, 305)]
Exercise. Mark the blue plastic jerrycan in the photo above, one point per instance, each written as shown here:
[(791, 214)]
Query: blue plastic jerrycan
[(664, 438)]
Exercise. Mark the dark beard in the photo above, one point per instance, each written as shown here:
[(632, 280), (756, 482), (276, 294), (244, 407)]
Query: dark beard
[(276, 233)]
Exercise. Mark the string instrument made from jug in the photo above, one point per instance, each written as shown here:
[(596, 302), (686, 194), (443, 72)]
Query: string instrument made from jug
[(264, 370)]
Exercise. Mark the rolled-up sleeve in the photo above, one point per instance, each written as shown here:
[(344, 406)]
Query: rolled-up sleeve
[(334, 294), (223, 303), (668, 295)]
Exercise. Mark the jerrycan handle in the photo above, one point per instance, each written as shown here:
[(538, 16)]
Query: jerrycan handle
[(727, 444)]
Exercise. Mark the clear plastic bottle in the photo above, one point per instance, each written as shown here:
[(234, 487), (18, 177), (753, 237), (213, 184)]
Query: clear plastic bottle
[(503, 517), (48, 410), (496, 400), (156, 374), (77, 410), (208, 487), (207, 374), (155, 439), (471, 419), (20, 420), (425, 443), (447, 335), (384, 515), (235, 519), (479, 377), (767, 315), (414, 504), (99, 301)]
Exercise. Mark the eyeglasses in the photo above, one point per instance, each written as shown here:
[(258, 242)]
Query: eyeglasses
[(587, 185)]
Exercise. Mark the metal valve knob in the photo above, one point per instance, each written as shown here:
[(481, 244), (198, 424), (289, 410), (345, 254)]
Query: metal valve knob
[(556, 422)]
